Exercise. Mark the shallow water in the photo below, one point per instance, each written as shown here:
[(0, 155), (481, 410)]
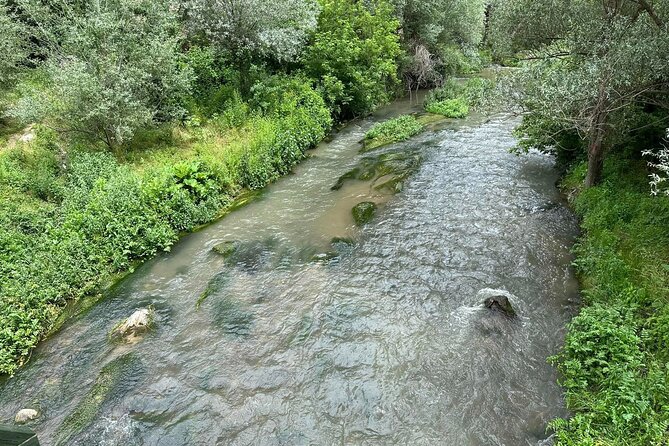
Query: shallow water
[(386, 344)]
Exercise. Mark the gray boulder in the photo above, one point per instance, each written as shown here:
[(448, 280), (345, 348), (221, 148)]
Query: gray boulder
[(498, 300)]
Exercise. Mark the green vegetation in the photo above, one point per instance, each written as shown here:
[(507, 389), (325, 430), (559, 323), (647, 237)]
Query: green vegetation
[(363, 212), (451, 108), (614, 360), (393, 130), (454, 99)]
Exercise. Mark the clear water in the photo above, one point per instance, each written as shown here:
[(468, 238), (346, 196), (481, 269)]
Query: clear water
[(389, 344)]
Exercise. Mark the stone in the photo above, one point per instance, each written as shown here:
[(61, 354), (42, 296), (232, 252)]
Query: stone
[(363, 212), (550, 441), (133, 327), (25, 415), (499, 300), (226, 248)]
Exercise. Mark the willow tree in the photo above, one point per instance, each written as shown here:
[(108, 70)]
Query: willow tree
[(13, 48), (248, 31), (592, 63), (110, 67)]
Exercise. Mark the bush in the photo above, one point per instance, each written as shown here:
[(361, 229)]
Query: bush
[(112, 69), (613, 363), (451, 108), (394, 130), (355, 54)]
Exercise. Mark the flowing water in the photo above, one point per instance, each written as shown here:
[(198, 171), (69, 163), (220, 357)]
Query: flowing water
[(387, 343)]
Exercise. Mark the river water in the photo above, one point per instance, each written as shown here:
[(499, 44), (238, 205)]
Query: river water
[(386, 344)]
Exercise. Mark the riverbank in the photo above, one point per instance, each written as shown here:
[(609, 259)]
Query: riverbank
[(614, 361), (74, 218)]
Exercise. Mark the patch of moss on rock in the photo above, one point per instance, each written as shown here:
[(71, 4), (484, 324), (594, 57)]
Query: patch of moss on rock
[(363, 212), (215, 285), (388, 171), (226, 248)]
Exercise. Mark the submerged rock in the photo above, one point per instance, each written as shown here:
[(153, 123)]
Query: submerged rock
[(498, 300), (550, 441), (363, 212), (119, 374), (25, 415), (226, 248), (133, 327), (387, 171)]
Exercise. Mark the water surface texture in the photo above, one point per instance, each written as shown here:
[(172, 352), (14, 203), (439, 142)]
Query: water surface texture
[(386, 344)]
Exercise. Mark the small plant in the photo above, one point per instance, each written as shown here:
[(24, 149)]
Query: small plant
[(395, 130), (451, 108)]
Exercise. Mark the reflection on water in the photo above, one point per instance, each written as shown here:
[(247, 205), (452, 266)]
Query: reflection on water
[(387, 344)]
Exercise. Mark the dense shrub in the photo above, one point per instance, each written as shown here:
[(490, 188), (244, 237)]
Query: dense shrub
[(454, 99), (613, 364), (111, 68), (451, 108), (354, 55)]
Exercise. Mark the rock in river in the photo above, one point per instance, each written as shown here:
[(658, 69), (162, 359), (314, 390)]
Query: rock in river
[(25, 415), (226, 248), (133, 327), (363, 212), (498, 300)]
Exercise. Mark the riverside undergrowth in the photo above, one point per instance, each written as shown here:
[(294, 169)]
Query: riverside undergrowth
[(615, 361), (71, 219)]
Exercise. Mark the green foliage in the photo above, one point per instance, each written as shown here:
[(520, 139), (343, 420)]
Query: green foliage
[(13, 48), (454, 99), (433, 22), (354, 55), (451, 108), (613, 363), (394, 130), (112, 68)]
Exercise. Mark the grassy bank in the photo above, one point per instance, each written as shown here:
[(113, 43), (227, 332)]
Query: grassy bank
[(72, 218), (615, 362)]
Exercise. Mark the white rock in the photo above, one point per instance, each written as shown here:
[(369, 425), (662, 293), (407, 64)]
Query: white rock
[(138, 323), (27, 137), (25, 415)]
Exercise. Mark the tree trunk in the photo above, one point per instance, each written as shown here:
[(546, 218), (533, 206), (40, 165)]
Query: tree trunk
[(595, 161)]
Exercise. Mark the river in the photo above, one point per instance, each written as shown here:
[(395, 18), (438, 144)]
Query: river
[(387, 343)]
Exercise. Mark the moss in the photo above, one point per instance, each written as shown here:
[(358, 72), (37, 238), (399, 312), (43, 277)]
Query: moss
[(215, 285), (226, 248), (88, 410), (363, 212), (387, 171)]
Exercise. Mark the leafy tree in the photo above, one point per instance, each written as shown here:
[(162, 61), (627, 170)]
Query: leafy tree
[(433, 22), (13, 47), (435, 33), (252, 30), (112, 67), (600, 62), (354, 54)]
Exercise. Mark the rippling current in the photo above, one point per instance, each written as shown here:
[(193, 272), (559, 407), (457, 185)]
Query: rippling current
[(386, 344)]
